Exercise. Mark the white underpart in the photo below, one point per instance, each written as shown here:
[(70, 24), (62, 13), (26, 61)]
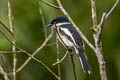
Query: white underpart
[(65, 39), (59, 24)]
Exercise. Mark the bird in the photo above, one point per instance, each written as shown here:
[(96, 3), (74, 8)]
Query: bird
[(71, 39)]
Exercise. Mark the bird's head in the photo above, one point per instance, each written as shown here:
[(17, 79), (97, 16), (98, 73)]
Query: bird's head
[(56, 22)]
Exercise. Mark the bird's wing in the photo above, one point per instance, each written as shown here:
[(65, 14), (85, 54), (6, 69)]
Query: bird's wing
[(74, 36)]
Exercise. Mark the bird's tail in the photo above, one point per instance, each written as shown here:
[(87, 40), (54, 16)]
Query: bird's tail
[(84, 61)]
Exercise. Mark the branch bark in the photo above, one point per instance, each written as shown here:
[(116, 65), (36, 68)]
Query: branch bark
[(98, 28), (3, 73), (51, 5), (10, 15), (58, 62), (43, 21), (32, 56), (58, 56), (7, 52), (112, 9), (5, 67), (6, 27)]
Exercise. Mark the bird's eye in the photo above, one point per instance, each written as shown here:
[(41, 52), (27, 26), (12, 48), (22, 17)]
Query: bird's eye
[(56, 22)]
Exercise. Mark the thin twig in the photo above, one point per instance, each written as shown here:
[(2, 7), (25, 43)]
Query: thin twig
[(100, 27), (50, 44), (94, 16), (73, 66), (3, 73), (102, 20), (97, 36), (98, 42), (36, 51), (6, 27), (58, 62), (10, 15), (58, 56), (105, 16), (31, 56), (4, 63), (43, 21), (5, 52), (80, 32), (51, 5), (111, 10)]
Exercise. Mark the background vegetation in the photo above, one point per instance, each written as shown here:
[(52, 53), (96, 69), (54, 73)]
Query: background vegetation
[(29, 35)]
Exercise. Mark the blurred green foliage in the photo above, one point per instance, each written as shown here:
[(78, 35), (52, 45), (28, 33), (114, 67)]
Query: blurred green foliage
[(29, 35)]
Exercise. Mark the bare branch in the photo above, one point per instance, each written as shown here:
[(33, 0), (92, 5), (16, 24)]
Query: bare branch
[(51, 5), (98, 43), (105, 17), (94, 15), (58, 56), (58, 62), (100, 27), (32, 56), (43, 21), (10, 15), (97, 36), (4, 64), (111, 10), (50, 44), (102, 19), (5, 52), (3, 73), (6, 27), (36, 51)]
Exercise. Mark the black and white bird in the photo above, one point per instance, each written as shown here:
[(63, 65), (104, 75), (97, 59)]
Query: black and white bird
[(71, 39)]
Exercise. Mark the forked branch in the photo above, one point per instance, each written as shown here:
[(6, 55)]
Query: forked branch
[(98, 28)]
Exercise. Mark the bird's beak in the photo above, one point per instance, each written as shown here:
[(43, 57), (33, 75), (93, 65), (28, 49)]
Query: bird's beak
[(49, 25)]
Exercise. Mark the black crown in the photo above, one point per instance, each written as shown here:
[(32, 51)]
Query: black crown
[(59, 19)]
